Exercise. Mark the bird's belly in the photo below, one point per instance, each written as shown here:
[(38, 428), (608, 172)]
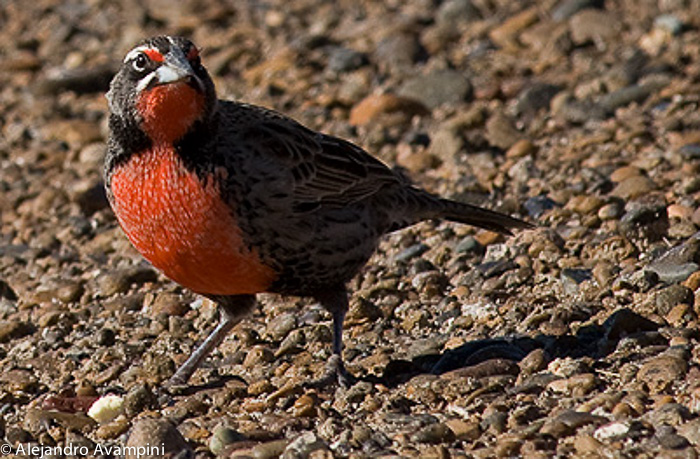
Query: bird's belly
[(183, 227)]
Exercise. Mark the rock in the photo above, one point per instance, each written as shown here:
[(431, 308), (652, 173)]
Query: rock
[(169, 304), (691, 431), (437, 88), (342, 59), (591, 25), (505, 34), (633, 187), (10, 330), (279, 327), (671, 296), (304, 445), (398, 52), (538, 205), (567, 8), (660, 373), (645, 218), (567, 422), (153, 438), (626, 322), (678, 263), (453, 12), (370, 108), (535, 97), (500, 131), (434, 433), (223, 436)]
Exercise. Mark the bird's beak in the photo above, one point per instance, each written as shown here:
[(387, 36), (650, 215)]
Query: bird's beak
[(176, 68)]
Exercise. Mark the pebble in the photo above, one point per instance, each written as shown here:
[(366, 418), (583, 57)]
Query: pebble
[(371, 107), (568, 422), (633, 187), (147, 432), (567, 8), (11, 330), (170, 304), (342, 59), (304, 445), (500, 131), (535, 97), (434, 433), (592, 25), (671, 296), (280, 326), (437, 88), (223, 436), (398, 52), (660, 373)]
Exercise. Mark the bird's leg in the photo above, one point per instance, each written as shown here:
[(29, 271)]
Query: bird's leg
[(336, 302), (233, 309)]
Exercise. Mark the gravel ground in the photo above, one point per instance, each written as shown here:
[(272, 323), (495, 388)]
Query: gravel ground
[(579, 338)]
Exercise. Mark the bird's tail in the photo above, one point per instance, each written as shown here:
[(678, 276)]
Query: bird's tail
[(479, 217)]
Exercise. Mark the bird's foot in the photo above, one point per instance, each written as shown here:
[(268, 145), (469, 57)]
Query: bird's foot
[(335, 373)]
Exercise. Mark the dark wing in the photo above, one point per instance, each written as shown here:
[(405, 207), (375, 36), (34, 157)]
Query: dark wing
[(323, 170)]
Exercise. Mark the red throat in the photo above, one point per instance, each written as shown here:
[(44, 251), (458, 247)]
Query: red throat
[(169, 110)]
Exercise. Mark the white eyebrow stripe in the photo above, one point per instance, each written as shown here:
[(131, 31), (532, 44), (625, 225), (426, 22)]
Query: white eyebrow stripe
[(136, 51)]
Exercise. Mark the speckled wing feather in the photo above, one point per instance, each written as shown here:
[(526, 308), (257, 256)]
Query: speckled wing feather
[(325, 170)]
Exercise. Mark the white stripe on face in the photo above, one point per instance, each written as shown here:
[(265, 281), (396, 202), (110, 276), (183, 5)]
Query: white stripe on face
[(135, 52)]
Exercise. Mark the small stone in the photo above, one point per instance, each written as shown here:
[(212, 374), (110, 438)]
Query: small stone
[(10, 330), (660, 373), (437, 88), (633, 187), (280, 326), (371, 107), (305, 445), (691, 431), (304, 407), (464, 430), (269, 450), (434, 434), (501, 132), (567, 8), (222, 436), (669, 23), (671, 296), (343, 59), (623, 173), (397, 52), (505, 34), (535, 97), (18, 380), (611, 211), (520, 149), (567, 422), (138, 399), (453, 12), (157, 437), (258, 355), (533, 362), (169, 304), (587, 445), (537, 206), (591, 25)]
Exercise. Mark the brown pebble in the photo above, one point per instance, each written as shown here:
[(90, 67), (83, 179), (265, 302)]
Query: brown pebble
[(170, 304), (371, 107)]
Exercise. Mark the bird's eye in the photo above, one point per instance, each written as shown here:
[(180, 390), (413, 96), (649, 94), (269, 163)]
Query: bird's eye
[(140, 62)]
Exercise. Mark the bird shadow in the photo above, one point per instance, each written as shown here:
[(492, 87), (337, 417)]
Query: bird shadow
[(500, 356)]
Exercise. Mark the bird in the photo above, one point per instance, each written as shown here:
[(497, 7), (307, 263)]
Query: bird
[(231, 200)]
